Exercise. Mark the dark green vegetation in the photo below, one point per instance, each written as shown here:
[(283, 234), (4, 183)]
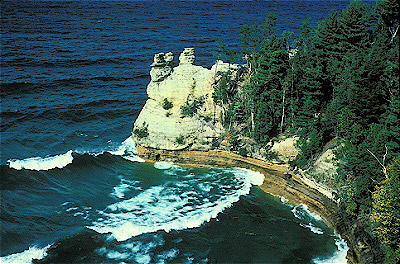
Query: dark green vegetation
[(142, 132), (336, 85), (167, 104), (191, 106), (180, 140)]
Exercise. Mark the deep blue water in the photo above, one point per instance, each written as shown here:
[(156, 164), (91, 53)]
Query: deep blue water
[(73, 80)]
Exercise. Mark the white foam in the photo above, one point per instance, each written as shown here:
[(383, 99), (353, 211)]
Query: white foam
[(26, 256), (127, 147), (165, 256), (127, 150), (125, 185), (301, 211), (39, 163), (138, 251), (72, 209), (255, 177), (163, 165), (91, 152), (170, 253), (205, 187), (167, 208), (119, 191), (134, 158), (117, 255), (313, 228), (339, 257)]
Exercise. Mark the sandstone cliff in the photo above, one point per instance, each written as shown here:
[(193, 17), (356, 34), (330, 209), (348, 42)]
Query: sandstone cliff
[(180, 112)]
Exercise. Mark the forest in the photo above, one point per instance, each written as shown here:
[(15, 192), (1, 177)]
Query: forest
[(337, 85)]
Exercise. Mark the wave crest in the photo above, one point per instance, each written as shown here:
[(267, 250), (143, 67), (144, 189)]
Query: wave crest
[(39, 163), (127, 150), (26, 256), (339, 257)]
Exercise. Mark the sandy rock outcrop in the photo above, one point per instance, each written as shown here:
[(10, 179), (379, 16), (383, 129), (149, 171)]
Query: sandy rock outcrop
[(325, 165), (162, 123), (285, 149)]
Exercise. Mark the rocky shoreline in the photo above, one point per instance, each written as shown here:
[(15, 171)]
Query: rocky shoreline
[(280, 180), (181, 123)]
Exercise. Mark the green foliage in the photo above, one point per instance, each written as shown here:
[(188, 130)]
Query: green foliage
[(234, 141), (141, 132), (207, 118), (388, 11), (343, 84), (167, 104), (271, 155), (190, 107), (243, 152), (215, 143), (386, 212), (180, 140), (225, 90)]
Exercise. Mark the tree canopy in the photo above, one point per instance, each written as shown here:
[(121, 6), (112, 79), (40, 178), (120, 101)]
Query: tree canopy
[(339, 80)]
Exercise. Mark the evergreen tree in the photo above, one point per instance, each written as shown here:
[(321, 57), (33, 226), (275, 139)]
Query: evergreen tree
[(386, 212), (340, 82)]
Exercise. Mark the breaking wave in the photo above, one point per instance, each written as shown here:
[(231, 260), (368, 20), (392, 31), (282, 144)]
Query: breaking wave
[(26, 256), (126, 150), (307, 218), (339, 257), (177, 205), (38, 163)]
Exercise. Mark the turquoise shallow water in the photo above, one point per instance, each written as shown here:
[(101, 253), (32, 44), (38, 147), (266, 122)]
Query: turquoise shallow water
[(73, 78)]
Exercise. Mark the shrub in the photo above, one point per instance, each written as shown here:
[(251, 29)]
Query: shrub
[(167, 104), (189, 109), (207, 118), (243, 152), (141, 132), (180, 140), (215, 143), (271, 155)]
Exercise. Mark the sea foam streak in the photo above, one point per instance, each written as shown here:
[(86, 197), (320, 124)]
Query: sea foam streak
[(26, 256), (177, 205), (38, 163)]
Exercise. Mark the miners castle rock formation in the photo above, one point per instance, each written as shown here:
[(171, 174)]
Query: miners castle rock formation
[(180, 112)]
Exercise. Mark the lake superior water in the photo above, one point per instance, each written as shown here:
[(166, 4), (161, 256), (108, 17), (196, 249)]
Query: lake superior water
[(73, 81)]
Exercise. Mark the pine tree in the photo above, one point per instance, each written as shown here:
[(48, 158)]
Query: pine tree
[(386, 212)]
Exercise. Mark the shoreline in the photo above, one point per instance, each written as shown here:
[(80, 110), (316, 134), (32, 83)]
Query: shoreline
[(278, 180)]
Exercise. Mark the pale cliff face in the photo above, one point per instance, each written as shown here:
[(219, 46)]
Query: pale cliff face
[(162, 122)]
